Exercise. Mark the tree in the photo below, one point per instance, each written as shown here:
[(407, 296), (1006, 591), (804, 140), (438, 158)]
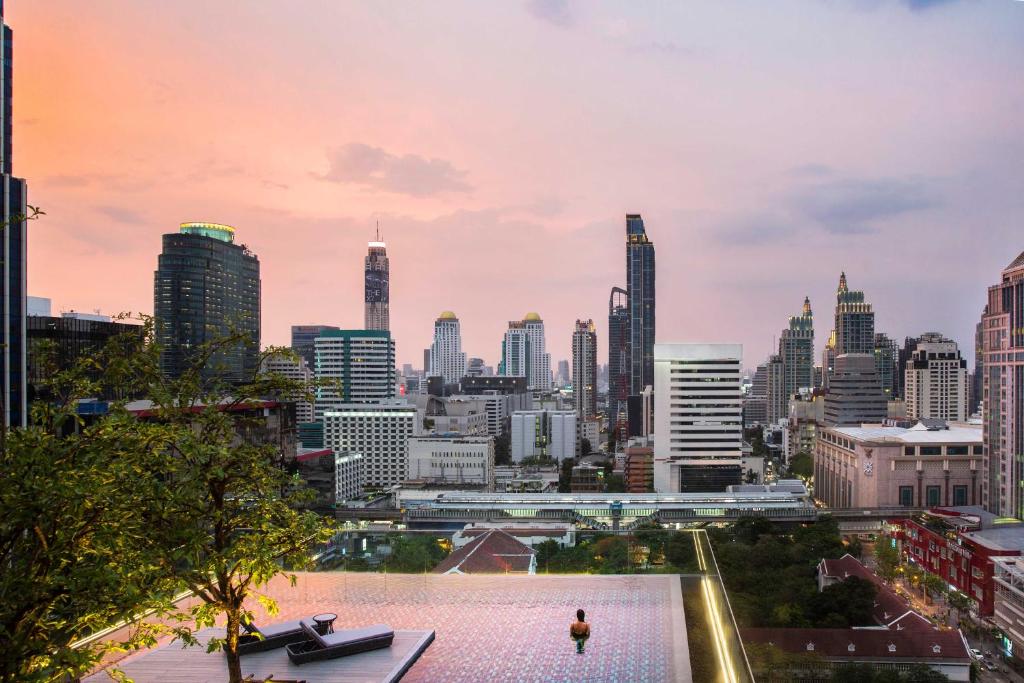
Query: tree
[(565, 475), (679, 550), (75, 522), (585, 447), (887, 558), (651, 535), (502, 450), (614, 483), (232, 516), (414, 554), (844, 604), (802, 465)]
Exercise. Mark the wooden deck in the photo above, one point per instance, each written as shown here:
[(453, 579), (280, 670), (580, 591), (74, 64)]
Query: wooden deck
[(174, 664)]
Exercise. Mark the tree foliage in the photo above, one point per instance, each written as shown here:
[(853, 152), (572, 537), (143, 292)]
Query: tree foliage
[(414, 554), (802, 465)]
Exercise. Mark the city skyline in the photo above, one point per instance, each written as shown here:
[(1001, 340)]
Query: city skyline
[(721, 197)]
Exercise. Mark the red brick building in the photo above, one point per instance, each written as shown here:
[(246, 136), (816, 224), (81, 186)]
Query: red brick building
[(639, 470), (958, 544)]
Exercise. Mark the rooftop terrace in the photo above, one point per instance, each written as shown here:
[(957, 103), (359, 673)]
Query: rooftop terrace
[(488, 628)]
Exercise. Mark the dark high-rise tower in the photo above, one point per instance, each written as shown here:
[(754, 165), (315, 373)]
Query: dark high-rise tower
[(855, 321), (796, 350), (640, 295), (13, 362), (618, 357), (376, 292), (304, 338), (207, 286)]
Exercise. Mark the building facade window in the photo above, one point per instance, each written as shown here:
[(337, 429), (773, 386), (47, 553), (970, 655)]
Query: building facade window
[(907, 496)]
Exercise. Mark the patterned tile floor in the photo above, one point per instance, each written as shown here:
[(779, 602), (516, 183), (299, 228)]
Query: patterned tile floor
[(511, 628)]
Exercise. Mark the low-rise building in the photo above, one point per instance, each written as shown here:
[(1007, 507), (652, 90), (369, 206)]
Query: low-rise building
[(586, 478), (1008, 612), (451, 460), (493, 552), (806, 413), (639, 470), (960, 545), (880, 466), (379, 432), (531, 534)]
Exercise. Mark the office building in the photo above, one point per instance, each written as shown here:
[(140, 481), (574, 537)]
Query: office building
[(584, 369), (296, 370), (855, 321), (13, 253), (618, 359), (452, 460), (356, 366), (376, 292), (348, 476), (887, 365), (698, 423), (38, 305), (515, 352), (755, 402), (447, 359), (855, 395), (564, 376), (796, 351), (978, 376), (379, 432), (877, 466), (776, 397), (936, 381), (806, 413), (545, 434), (828, 361), (68, 339), (304, 338), (640, 298), (540, 359), (475, 367), (207, 287), (1003, 392)]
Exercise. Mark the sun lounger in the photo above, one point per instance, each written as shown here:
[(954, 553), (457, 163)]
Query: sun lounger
[(273, 636), (318, 647)]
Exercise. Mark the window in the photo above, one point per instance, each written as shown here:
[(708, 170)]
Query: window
[(956, 450), (908, 450), (931, 450), (932, 494), (907, 496)]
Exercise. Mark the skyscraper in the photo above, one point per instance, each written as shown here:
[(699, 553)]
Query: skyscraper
[(540, 359), (640, 297), (977, 379), (303, 338), (936, 380), (447, 358), (1003, 394), (796, 350), (523, 352), (515, 352), (206, 287), (855, 321), (584, 369), (777, 400), (359, 366), (13, 254), (698, 422), (377, 296), (887, 365), (618, 357)]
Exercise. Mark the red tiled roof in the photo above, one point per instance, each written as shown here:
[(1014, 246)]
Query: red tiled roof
[(889, 607), (494, 552), (835, 643)]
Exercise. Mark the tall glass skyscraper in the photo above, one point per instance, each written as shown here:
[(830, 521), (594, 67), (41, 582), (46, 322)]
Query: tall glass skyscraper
[(376, 295), (13, 257), (640, 295), (206, 286), (618, 357)]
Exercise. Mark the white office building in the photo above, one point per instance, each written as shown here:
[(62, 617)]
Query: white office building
[(358, 366), (348, 476), (380, 433), (543, 433), (936, 381), (447, 358), (452, 460), (523, 353), (298, 370), (698, 417)]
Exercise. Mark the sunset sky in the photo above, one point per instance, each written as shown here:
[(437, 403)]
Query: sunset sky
[(768, 145)]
